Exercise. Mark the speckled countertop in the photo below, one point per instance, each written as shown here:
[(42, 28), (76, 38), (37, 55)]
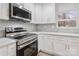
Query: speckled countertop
[(6, 41), (58, 33)]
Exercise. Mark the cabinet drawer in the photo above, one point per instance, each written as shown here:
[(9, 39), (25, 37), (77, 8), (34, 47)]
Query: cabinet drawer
[(73, 40), (59, 38), (12, 50)]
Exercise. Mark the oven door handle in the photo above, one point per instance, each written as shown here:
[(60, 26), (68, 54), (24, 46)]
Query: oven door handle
[(25, 44)]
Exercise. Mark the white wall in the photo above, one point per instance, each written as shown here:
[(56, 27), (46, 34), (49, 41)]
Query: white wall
[(3, 24)]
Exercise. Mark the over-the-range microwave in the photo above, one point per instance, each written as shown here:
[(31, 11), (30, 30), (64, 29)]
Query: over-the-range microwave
[(16, 11)]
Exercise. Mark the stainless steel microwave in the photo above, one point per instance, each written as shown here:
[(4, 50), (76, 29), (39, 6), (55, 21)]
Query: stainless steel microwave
[(17, 11)]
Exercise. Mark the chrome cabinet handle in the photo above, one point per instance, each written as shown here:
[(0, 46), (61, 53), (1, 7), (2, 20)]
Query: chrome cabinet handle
[(67, 46)]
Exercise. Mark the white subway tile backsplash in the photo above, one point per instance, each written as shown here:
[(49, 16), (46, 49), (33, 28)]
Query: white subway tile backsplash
[(46, 27)]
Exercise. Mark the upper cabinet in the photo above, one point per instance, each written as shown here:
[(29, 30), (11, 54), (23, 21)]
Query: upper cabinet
[(43, 13), (49, 13), (4, 11), (28, 6), (37, 14)]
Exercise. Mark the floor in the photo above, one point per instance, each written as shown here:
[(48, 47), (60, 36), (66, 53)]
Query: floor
[(41, 53)]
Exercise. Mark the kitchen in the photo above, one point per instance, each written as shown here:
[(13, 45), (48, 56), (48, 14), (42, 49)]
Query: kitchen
[(37, 29)]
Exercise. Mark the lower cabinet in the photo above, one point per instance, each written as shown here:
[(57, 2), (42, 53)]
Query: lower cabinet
[(66, 46), (59, 45), (8, 50), (3, 51), (45, 43), (40, 42), (12, 50), (48, 43), (73, 49)]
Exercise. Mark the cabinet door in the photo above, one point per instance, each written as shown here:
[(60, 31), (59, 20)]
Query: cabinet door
[(45, 43), (3, 51), (74, 46), (38, 13), (0, 10), (48, 43), (74, 49), (60, 45), (28, 6), (44, 13), (49, 13), (40, 42), (4, 11), (12, 50)]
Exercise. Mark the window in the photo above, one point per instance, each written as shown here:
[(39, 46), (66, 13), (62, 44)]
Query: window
[(67, 19)]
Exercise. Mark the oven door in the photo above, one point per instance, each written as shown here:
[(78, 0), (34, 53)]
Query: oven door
[(29, 50)]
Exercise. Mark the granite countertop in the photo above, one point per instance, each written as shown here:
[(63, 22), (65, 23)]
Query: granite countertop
[(6, 41), (58, 33)]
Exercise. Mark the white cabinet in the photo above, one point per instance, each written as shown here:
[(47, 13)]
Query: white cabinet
[(3, 51), (59, 48), (12, 50), (28, 6), (45, 43), (73, 48), (48, 13), (8, 50), (59, 45), (67, 46), (4, 11), (37, 14), (40, 42), (44, 13)]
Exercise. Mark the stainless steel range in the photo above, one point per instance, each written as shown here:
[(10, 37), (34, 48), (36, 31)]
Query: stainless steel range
[(27, 43)]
